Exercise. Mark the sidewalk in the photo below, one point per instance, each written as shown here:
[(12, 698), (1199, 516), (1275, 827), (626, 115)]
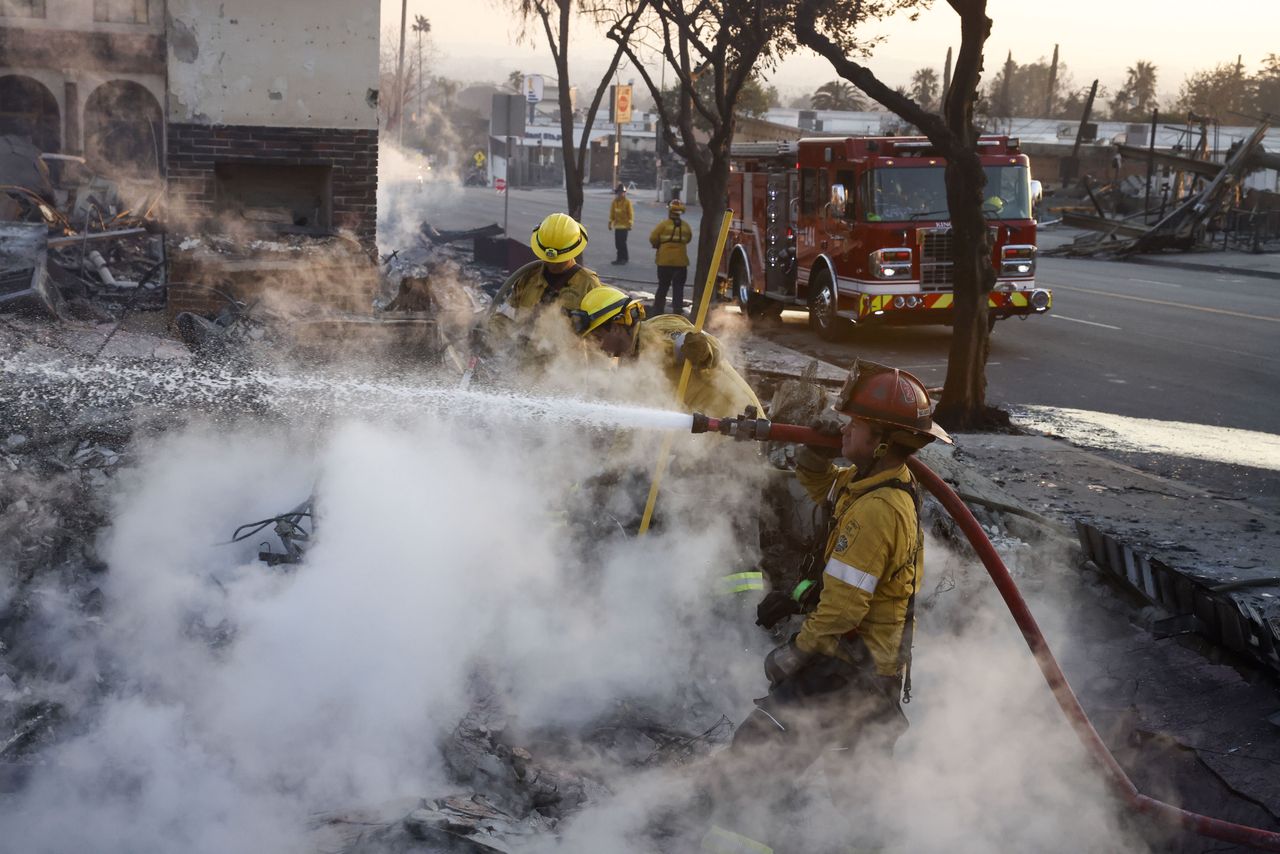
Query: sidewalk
[(1231, 262)]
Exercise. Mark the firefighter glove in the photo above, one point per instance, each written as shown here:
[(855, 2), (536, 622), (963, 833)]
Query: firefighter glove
[(814, 459), (696, 347), (784, 662), (827, 423), (775, 608)]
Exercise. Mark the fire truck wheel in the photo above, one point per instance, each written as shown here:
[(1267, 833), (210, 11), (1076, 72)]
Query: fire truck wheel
[(822, 307), (741, 284), (752, 304)]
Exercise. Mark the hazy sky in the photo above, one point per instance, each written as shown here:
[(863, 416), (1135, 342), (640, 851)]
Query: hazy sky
[(478, 40)]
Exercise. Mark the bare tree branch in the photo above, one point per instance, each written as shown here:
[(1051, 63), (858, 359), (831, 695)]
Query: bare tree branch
[(862, 77), (623, 40)]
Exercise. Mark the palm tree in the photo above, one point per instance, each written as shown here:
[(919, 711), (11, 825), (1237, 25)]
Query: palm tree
[(924, 87), (836, 95), (1137, 98), (1141, 83)]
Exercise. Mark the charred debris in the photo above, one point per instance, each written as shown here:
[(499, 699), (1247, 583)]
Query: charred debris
[(1181, 199)]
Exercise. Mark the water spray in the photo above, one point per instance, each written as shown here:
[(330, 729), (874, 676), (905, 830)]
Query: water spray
[(750, 427)]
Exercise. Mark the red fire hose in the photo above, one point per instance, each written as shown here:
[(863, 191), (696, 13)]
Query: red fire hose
[(1267, 840)]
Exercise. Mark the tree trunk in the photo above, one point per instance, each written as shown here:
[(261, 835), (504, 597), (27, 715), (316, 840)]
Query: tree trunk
[(963, 404), (568, 150), (713, 196)]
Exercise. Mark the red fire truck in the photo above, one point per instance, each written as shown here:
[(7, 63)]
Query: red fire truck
[(856, 230)]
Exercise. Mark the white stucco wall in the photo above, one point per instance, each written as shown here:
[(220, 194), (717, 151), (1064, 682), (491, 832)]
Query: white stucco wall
[(279, 63)]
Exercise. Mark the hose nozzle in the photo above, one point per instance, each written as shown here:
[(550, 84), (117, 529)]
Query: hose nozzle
[(749, 426), (742, 428)]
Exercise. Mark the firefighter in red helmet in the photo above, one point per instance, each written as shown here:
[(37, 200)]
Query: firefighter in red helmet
[(839, 680)]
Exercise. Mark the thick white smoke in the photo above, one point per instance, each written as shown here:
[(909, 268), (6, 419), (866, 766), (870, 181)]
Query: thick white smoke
[(233, 702), (239, 699)]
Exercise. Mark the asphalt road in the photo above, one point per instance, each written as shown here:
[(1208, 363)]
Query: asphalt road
[(470, 207), (1127, 339)]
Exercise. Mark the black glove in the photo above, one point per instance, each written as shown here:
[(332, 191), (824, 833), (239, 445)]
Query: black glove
[(774, 608), (785, 661)]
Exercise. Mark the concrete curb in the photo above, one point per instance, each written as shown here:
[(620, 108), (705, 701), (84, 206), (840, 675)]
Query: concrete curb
[(1273, 275)]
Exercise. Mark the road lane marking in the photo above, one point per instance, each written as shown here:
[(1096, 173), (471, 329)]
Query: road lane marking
[(1154, 282), (1168, 303), (932, 367), (1090, 322)]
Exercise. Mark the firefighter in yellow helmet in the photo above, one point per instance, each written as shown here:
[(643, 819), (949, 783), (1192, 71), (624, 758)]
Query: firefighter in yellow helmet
[(617, 323), (556, 279), (837, 682), (671, 238)]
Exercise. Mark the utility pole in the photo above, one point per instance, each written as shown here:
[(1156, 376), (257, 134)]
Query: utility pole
[(1151, 162), (617, 131), (946, 80), (404, 13), (420, 25), (1069, 169), (1051, 95), (657, 142)]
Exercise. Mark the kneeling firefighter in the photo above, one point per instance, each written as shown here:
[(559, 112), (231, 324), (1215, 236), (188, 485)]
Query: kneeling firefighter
[(554, 280), (617, 323), (837, 682)]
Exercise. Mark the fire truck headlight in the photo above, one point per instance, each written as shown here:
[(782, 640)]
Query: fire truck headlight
[(891, 263), (899, 302), (912, 302), (1039, 299), (1018, 260)]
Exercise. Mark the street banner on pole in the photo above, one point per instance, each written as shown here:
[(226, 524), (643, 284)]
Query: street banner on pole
[(622, 104)]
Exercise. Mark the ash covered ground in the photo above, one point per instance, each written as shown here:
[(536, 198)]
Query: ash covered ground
[(470, 653)]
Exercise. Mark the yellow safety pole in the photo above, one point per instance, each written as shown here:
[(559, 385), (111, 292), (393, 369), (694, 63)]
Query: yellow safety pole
[(685, 371)]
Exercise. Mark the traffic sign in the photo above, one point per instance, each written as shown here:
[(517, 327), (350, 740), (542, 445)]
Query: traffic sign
[(533, 88), (500, 184)]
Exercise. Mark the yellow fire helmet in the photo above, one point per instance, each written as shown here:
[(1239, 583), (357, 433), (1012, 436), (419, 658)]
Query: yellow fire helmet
[(602, 305), (559, 238), (676, 207)]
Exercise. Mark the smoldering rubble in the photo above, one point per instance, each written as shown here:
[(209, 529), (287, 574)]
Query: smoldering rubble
[(468, 656), (261, 594)]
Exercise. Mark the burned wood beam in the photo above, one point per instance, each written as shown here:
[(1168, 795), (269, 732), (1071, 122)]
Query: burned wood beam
[(1173, 161), (96, 235), (1185, 226), (1097, 223)]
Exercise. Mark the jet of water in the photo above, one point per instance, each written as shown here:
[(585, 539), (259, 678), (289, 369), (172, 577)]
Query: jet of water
[(116, 386)]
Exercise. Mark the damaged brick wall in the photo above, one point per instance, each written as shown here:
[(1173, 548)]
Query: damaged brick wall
[(352, 154)]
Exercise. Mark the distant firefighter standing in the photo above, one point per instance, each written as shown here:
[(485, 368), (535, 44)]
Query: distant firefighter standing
[(670, 237), (622, 215)]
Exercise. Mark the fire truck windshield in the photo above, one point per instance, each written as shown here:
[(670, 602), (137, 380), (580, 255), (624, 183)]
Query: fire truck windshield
[(919, 192)]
